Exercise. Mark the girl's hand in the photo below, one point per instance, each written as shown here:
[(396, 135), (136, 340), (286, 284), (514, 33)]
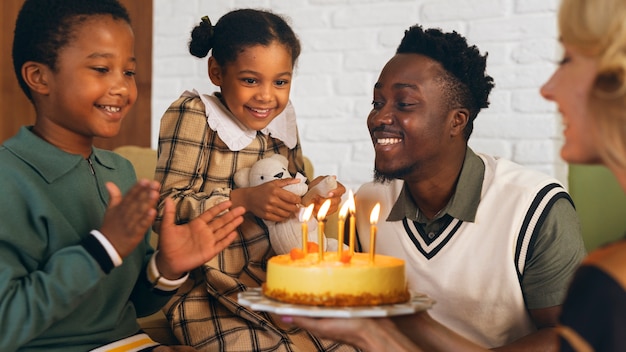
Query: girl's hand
[(268, 201), (127, 219)]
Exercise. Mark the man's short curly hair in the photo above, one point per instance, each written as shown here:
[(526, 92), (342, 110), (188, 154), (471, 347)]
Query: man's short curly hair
[(466, 82)]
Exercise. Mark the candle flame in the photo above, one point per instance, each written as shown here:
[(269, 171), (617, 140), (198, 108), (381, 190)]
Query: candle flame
[(352, 204), (321, 214), (343, 213), (305, 213), (374, 214)]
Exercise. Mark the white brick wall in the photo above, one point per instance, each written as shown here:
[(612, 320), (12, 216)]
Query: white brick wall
[(346, 43)]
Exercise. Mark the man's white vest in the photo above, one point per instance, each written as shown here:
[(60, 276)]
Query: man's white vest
[(473, 270)]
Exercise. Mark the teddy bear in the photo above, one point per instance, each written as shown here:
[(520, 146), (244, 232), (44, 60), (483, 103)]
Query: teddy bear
[(287, 234)]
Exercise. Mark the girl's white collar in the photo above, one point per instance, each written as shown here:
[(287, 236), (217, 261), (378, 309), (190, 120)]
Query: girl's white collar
[(235, 134)]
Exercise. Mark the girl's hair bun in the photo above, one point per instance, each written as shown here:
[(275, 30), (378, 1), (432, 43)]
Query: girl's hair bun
[(201, 38)]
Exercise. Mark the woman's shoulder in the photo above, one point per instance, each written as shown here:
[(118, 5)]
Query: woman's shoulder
[(611, 259)]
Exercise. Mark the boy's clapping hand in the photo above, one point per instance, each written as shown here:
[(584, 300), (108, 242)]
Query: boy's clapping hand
[(128, 218)]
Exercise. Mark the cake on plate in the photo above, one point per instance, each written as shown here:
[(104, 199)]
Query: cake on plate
[(354, 281)]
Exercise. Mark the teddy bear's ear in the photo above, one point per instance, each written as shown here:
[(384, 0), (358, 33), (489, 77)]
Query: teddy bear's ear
[(241, 177), (281, 158)]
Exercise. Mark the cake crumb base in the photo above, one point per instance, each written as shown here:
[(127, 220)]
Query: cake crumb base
[(337, 300)]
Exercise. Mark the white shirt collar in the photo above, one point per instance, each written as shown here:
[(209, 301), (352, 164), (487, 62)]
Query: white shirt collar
[(235, 134)]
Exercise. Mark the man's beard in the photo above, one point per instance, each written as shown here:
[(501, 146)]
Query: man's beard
[(386, 177)]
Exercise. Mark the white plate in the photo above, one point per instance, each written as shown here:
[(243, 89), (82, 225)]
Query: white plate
[(255, 300)]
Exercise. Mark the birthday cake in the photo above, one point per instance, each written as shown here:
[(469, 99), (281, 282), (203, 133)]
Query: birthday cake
[(339, 282)]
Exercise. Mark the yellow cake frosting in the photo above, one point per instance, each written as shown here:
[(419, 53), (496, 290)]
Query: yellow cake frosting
[(334, 283)]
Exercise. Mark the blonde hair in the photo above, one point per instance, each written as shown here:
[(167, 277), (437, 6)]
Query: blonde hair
[(598, 28)]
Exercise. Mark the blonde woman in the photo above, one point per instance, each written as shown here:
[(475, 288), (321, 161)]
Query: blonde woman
[(590, 89)]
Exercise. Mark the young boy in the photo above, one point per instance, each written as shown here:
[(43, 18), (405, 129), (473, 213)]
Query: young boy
[(77, 268)]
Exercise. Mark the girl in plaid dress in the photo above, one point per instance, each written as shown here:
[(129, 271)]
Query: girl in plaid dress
[(204, 139)]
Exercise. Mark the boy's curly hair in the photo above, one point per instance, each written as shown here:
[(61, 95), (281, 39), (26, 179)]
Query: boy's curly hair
[(44, 27), (466, 83)]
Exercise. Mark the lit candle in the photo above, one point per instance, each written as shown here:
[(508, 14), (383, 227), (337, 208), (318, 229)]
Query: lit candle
[(321, 216), (373, 222), (343, 213), (352, 234), (304, 216)]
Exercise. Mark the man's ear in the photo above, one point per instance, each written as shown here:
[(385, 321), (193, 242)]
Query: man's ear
[(215, 72), (459, 120), (36, 75)]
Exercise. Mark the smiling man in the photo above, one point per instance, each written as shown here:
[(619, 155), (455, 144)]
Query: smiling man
[(495, 244)]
